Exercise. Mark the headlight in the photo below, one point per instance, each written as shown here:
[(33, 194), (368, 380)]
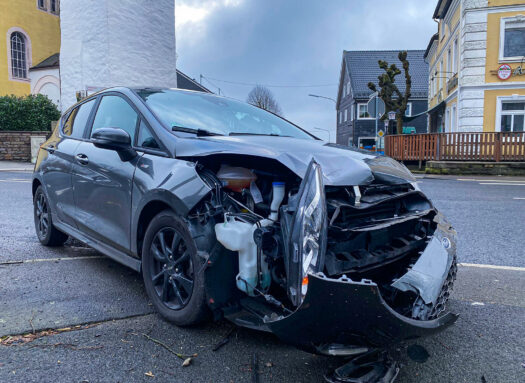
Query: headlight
[(308, 238)]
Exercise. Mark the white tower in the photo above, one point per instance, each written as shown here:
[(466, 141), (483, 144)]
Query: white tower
[(110, 43)]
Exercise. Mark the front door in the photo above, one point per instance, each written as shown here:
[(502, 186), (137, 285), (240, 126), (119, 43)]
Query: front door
[(58, 162), (102, 182)]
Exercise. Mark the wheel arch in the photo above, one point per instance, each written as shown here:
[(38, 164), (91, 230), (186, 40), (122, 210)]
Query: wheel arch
[(152, 204), (36, 183)]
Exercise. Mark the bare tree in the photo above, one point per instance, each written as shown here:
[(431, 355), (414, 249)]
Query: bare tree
[(390, 94), (263, 98)]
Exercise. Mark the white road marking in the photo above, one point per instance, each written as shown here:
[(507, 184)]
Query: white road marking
[(477, 265), (477, 304), (51, 259), (501, 183), (518, 198), (484, 180), (15, 181), (494, 267)]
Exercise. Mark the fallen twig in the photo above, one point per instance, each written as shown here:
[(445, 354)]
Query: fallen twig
[(178, 354), (224, 340), (11, 263), (31, 323)]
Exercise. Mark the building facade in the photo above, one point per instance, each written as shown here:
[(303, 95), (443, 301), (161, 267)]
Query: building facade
[(29, 34), (354, 121), (477, 66)]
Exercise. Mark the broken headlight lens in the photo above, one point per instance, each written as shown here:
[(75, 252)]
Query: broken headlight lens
[(308, 233)]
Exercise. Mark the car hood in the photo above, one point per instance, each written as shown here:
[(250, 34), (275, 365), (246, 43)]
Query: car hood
[(341, 165)]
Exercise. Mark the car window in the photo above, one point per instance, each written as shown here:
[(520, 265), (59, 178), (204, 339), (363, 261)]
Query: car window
[(115, 112), (77, 119), (146, 139)]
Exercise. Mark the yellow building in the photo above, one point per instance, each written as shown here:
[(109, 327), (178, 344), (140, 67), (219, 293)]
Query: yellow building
[(477, 66), (29, 34)]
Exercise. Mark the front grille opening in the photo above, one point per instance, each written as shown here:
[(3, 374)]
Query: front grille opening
[(380, 238)]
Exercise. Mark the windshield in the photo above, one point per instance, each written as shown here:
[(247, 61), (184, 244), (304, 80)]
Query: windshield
[(219, 115)]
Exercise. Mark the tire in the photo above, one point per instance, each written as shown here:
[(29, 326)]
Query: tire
[(167, 269), (47, 233)]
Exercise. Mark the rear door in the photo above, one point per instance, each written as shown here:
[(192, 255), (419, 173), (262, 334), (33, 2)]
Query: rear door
[(102, 182), (57, 164)]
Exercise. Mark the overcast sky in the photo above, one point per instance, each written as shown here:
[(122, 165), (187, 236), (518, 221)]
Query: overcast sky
[(296, 43)]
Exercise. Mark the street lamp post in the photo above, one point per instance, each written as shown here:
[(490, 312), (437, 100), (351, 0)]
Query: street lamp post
[(327, 131), (327, 98)]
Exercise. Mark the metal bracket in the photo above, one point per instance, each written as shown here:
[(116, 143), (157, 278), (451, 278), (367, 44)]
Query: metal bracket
[(357, 193)]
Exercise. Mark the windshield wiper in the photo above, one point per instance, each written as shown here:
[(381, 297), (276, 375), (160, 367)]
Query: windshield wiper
[(255, 134), (198, 132)]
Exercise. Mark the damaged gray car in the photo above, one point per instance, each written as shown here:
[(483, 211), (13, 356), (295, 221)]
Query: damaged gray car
[(231, 212)]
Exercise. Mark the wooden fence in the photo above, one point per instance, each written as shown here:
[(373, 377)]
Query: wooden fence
[(491, 146)]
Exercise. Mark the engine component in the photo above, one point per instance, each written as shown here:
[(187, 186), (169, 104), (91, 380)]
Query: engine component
[(237, 234), (278, 189), (235, 178)]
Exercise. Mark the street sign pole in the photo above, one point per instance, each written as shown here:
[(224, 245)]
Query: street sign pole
[(376, 112)]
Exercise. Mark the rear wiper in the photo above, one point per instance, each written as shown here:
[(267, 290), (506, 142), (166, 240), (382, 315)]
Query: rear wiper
[(198, 132), (255, 134)]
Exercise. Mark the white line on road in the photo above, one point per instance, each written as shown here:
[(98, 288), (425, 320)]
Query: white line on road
[(518, 198), (478, 265), (501, 183), (484, 180), (15, 181), (495, 267), (51, 259)]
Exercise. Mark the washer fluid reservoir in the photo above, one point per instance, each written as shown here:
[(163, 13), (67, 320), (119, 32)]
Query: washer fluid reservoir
[(236, 235), (235, 178)]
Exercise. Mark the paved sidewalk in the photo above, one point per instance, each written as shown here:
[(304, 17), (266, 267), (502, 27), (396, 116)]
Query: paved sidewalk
[(14, 166)]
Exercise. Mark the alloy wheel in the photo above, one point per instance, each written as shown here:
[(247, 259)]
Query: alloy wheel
[(171, 269), (42, 215)]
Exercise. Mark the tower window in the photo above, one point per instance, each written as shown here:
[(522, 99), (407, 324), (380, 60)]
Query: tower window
[(18, 55)]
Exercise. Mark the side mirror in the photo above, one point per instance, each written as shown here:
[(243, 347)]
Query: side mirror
[(114, 139)]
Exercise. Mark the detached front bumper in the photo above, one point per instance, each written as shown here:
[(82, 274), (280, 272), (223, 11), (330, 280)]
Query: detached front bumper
[(349, 313), (341, 311)]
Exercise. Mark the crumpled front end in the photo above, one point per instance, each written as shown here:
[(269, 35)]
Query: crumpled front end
[(332, 269), (340, 314), (381, 272)]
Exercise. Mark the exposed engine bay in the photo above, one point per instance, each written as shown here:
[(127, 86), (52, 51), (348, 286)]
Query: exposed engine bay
[(269, 236)]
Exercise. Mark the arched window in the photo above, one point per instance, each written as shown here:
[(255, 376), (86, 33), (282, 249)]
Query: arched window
[(18, 55)]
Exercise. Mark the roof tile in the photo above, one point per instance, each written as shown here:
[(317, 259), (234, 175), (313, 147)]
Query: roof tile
[(363, 68)]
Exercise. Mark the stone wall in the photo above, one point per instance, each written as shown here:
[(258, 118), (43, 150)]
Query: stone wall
[(16, 146)]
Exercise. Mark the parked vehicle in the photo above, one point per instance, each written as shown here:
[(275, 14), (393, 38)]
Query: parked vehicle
[(231, 211)]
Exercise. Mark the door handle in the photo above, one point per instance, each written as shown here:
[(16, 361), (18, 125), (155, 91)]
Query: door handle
[(82, 159)]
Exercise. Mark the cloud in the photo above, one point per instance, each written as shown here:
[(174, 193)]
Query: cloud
[(191, 16), (187, 14), (291, 42)]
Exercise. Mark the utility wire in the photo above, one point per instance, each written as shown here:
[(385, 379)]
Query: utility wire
[(267, 85), (220, 90)]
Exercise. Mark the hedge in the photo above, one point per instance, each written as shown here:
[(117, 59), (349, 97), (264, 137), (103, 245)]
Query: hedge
[(32, 112)]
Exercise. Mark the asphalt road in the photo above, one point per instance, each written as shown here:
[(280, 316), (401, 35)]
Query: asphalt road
[(99, 313)]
